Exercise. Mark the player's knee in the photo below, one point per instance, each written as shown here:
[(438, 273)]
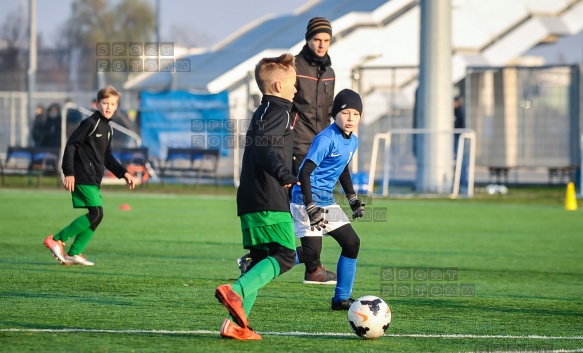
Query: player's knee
[(348, 241), (352, 246), (95, 216), (311, 248), (286, 259)]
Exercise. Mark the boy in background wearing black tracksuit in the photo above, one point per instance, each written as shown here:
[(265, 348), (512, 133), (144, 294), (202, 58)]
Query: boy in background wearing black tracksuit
[(87, 152)]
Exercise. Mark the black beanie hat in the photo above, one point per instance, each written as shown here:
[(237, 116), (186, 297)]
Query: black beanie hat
[(346, 99), (318, 25)]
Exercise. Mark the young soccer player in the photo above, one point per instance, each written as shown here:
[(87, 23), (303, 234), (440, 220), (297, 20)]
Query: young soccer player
[(263, 195), (87, 152), (314, 209)]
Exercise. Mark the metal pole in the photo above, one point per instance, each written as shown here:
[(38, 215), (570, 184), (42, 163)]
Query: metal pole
[(31, 73), (435, 151), (157, 12), (12, 102), (355, 163), (387, 164)]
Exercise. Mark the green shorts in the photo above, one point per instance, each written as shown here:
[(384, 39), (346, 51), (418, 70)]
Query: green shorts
[(261, 228), (86, 196)]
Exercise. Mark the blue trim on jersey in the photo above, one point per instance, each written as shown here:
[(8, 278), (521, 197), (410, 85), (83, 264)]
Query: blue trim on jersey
[(331, 153)]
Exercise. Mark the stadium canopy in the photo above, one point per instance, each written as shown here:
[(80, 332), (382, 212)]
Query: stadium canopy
[(376, 33)]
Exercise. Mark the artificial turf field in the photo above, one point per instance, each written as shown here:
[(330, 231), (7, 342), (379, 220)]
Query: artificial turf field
[(517, 261)]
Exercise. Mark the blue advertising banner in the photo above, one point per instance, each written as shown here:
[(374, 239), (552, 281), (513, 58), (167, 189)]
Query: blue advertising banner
[(183, 119)]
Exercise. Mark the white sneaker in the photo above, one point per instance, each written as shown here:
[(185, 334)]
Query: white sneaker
[(77, 260)]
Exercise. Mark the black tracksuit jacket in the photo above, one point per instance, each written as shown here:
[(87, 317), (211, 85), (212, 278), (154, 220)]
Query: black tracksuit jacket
[(314, 99), (267, 159), (88, 151)]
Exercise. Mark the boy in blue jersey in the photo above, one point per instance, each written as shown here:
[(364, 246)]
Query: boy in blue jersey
[(313, 207)]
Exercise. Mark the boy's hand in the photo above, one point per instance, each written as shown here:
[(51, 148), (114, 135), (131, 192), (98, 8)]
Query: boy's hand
[(356, 206), (290, 185), (315, 215), (69, 183), (130, 181)]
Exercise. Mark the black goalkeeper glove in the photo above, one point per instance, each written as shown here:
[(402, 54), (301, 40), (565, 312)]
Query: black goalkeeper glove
[(315, 214), (356, 206)]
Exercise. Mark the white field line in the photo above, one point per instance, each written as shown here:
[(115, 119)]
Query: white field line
[(297, 333)]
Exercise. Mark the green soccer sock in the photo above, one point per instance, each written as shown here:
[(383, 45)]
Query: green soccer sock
[(257, 277), (80, 242), (78, 226), (248, 302)]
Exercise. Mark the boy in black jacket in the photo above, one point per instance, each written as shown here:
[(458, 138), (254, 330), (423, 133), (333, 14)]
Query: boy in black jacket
[(87, 152), (311, 113), (263, 195)]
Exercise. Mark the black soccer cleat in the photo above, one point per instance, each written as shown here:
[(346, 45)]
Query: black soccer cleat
[(244, 263), (342, 304)]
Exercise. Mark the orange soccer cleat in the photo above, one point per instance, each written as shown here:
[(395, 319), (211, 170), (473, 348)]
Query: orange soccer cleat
[(232, 330)]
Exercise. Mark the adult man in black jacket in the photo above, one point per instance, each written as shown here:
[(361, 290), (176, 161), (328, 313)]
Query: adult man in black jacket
[(312, 109)]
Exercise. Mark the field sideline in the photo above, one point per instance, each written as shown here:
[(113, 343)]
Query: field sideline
[(517, 267)]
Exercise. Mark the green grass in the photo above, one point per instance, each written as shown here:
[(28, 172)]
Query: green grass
[(157, 267)]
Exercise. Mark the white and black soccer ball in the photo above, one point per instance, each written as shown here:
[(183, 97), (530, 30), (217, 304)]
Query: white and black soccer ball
[(369, 317)]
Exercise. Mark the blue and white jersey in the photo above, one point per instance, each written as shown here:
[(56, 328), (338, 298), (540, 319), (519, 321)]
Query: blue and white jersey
[(331, 152)]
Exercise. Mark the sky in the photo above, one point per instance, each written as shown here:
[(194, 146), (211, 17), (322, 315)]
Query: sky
[(204, 21), (207, 22)]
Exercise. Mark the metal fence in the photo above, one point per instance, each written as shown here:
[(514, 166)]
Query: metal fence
[(526, 117), (16, 126), (527, 120), (15, 122)]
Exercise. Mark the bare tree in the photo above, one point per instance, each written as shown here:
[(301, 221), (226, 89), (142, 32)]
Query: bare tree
[(95, 21), (9, 42)]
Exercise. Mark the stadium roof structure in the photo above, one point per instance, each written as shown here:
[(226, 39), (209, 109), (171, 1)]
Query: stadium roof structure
[(376, 33)]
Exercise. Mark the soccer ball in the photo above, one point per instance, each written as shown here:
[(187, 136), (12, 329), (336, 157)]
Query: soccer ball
[(369, 317)]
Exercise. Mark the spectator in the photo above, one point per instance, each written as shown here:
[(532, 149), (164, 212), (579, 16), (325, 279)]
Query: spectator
[(458, 112), (52, 127), (74, 117), (38, 125), (460, 123)]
